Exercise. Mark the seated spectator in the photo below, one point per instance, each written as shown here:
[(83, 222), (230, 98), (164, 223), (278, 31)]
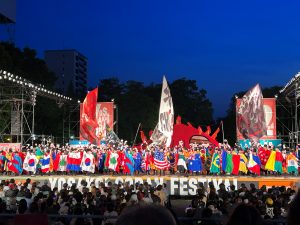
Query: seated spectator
[(245, 215), (293, 213), (146, 215)]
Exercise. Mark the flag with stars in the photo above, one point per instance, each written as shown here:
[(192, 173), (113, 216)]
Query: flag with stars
[(159, 160)]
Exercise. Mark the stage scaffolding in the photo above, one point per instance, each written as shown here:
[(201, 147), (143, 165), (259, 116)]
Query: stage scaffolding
[(17, 104), (288, 112)]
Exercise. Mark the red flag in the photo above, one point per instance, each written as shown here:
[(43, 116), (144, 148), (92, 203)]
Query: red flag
[(236, 164), (143, 137), (88, 123)]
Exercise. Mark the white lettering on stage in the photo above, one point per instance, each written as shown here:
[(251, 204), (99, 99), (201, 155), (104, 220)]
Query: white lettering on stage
[(176, 185)]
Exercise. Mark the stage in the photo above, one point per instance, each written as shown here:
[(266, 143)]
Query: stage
[(176, 184)]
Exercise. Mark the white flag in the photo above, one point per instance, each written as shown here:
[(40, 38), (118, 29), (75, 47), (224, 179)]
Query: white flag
[(166, 113), (88, 162)]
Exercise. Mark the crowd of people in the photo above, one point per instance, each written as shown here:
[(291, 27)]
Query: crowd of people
[(156, 160), (111, 202)]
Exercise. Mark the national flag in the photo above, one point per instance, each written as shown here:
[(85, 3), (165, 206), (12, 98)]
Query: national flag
[(60, 162), (292, 164), (15, 165), (270, 165), (236, 164), (30, 163), (278, 161), (128, 163), (39, 154), (113, 161), (224, 160), (74, 161), (181, 161), (159, 160), (229, 163), (45, 161), (88, 162), (243, 163), (215, 163), (195, 164), (254, 164)]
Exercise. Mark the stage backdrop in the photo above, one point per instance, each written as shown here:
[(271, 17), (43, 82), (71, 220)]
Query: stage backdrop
[(104, 117), (270, 117)]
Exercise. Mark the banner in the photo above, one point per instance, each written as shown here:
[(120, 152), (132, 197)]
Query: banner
[(104, 117), (13, 146), (166, 115), (78, 143), (88, 123), (244, 143), (269, 105), (182, 186), (250, 115)]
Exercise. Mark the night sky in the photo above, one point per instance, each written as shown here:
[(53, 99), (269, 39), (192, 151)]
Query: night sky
[(227, 46)]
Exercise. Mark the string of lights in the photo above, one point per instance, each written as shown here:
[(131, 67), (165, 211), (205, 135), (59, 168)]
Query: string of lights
[(38, 88)]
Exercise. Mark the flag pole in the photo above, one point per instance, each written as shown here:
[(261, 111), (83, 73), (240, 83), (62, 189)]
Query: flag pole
[(222, 131), (137, 131)]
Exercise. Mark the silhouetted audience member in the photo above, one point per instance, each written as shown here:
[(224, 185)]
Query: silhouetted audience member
[(294, 211), (245, 215), (146, 215)]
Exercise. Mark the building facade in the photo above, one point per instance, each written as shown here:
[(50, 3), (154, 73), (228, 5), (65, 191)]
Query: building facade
[(70, 67)]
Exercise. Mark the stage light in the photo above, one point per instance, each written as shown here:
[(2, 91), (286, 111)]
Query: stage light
[(0, 77), (4, 72), (78, 101), (276, 96)]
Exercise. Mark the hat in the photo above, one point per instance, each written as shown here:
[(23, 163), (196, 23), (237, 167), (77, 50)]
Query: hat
[(269, 201)]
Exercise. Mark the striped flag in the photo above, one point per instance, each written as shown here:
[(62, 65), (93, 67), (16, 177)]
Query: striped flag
[(159, 160), (46, 160)]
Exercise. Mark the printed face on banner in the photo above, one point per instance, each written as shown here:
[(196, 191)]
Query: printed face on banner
[(269, 105), (104, 118)]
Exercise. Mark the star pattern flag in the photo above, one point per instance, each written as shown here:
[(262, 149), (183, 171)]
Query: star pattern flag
[(159, 160)]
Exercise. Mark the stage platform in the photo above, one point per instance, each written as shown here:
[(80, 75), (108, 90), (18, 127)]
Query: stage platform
[(177, 184)]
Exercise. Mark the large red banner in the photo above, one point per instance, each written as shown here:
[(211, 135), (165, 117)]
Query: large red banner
[(270, 117), (104, 118)]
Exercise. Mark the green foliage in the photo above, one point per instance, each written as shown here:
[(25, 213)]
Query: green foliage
[(48, 117), (26, 64)]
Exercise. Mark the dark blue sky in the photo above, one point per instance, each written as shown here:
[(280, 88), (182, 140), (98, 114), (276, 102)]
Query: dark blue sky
[(227, 46)]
